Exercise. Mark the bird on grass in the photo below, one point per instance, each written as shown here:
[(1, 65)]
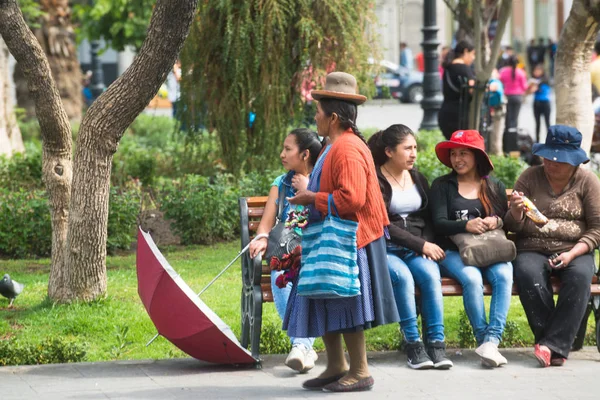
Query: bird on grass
[(10, 289)]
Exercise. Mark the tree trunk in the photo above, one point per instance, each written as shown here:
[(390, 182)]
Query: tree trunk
[(57, 39), (79, 257), (54, 123), (10, 134), (485, 63), (572, 74)]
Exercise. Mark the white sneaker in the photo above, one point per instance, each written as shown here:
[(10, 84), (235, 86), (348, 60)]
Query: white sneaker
[(295, 360), (490, 356), (309, 360), (301, 359)]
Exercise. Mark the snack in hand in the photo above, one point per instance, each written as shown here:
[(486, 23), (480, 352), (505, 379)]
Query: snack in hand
[(533, 213)]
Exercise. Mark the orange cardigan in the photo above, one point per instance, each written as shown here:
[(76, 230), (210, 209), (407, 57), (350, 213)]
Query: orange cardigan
[(349, 173)]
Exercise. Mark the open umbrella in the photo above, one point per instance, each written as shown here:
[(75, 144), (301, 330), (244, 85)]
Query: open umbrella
[(178, 313)]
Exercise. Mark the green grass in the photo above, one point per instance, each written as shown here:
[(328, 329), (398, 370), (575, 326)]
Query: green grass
[(118, 327)]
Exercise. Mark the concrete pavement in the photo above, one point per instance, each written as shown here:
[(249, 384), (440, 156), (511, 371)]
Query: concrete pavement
[(192, 379)]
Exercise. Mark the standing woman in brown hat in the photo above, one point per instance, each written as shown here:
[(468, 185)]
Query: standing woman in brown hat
[(345, 170)]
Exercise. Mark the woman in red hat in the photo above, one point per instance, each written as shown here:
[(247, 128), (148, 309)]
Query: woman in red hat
[(469, 200)]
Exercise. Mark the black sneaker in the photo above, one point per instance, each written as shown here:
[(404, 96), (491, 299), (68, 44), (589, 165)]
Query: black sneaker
[(437, 353), (417, 356)]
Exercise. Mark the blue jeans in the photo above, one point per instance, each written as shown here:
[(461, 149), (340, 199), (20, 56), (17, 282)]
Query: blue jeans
[(280, 298), (407, 268), (500, 276)]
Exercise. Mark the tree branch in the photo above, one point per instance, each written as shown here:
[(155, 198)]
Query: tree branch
[(477, 34), (505, 12), (131, 92), (23, 45)]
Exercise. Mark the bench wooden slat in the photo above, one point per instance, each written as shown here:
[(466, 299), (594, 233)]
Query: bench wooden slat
[(255, 212)]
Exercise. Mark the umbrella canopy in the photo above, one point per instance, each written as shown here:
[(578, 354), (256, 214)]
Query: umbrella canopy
[(178, 313)]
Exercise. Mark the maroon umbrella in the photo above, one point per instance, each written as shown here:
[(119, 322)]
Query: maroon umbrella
[(178, 313)]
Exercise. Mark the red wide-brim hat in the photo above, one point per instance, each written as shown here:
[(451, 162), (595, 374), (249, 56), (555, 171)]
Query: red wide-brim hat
[(464, 138)]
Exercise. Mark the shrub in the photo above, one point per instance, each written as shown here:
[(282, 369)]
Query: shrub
[(124, 208), (507, 169), (22, 170), (25, 228), (204, 210), (466, 338), (273, 340), (49, 351)]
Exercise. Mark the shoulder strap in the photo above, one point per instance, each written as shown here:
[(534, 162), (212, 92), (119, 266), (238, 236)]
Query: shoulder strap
[(449, 82), (280, 205)]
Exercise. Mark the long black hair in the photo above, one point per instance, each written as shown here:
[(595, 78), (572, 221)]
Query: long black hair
[(513, 61), (308, 140), (457, 51), (346, 112), (388, 138), (493, 201)]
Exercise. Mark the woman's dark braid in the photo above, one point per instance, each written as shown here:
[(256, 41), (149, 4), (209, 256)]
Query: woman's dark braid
[(349, 123)]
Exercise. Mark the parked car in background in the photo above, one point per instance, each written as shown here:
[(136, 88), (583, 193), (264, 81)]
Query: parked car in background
[(398, 82)]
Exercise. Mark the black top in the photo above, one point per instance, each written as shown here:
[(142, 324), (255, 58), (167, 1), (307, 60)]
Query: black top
[(445, 201), (462, 209), (455, 75), (413, 231)]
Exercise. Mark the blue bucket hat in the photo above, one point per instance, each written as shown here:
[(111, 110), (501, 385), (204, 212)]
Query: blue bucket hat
[(563, 144)]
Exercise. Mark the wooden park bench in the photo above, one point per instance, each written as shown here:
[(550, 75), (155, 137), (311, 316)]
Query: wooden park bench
[(256, 283)]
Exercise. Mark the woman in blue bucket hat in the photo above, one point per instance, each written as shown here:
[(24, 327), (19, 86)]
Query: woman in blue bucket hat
[(568, 196)]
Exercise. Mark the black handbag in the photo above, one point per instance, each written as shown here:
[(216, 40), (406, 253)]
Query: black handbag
[(281, 240)]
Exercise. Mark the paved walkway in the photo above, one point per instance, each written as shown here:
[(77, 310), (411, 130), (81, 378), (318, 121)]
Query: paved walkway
[(191, 379)]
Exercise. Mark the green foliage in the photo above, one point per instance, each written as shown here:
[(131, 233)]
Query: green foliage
[(386, 92), (513, 335), (273, 340), (427, 161), (31, 12), (22, 170), (205, 210), (466, 338), (49, 351), (123, 342), (120, 23), (152, 148), (253, 56), (25, 228), (508, 169), (124, 208)]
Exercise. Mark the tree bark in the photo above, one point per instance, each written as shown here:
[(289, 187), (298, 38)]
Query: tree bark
[(79, 248), (10, 134), (572, 74), (54, 123), (57, 38), (485, 65), (99, 136)]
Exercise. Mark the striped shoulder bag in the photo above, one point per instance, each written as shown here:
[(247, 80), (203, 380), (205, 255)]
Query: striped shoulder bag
[(329, 258)]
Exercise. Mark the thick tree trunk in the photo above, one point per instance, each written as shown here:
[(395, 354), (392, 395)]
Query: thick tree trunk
[(572, 74), (57, 38), (79, 252), (99, 136), (54, 123), (10, 134)]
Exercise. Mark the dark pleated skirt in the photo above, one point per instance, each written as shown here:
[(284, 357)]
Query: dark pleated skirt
[(306, 317)]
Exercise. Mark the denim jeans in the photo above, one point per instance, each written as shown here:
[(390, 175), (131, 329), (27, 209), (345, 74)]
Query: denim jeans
[(500, 276), (280, 298), (407, 269)]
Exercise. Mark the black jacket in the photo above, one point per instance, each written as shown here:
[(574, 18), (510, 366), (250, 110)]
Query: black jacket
[(443, 192), (416, 229)]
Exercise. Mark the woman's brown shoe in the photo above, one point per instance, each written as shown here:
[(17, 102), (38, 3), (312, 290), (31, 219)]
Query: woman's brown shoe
[(360, 386), (320, 383)]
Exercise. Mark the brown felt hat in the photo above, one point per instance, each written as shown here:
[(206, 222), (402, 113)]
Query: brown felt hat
[(341, 86)]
